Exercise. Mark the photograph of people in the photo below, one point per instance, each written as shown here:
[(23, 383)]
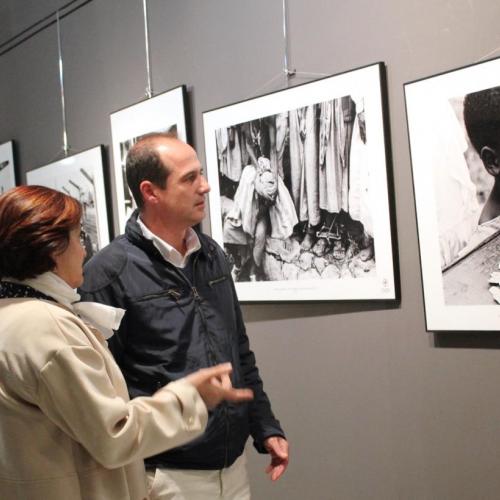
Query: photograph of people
[(295, 194)]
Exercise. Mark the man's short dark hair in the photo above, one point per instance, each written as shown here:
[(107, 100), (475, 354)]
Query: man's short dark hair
[(144, 164), (482, 118)]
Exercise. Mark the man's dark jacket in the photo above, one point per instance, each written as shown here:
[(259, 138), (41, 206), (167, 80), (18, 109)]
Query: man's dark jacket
[(172, 327)]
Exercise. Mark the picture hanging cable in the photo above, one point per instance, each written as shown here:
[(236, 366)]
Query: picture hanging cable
[(488, 55), (149, 88), (61, 84)]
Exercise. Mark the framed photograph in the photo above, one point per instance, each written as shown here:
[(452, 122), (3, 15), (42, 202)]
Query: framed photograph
[(81, 176), (166, 112), (454, 132), (7, 170), (299, 196)]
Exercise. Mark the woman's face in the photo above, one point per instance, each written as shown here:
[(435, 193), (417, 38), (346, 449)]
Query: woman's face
[(69, 264)]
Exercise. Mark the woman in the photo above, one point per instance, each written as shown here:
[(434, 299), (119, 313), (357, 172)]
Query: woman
[(67, 428)]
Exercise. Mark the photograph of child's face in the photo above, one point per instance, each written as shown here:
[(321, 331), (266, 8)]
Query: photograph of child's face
[(465, 173), (481, 116), (454, 131), (471, 267)]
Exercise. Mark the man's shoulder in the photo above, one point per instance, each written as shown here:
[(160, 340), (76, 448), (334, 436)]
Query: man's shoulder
[(106, 265), (215, 254), (211, 247), (208, 243)]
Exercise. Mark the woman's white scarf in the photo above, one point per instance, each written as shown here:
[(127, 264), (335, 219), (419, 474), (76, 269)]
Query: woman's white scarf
[(104, 318)]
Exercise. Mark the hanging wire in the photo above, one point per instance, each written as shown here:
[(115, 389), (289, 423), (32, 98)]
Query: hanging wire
[(61, 84), (268, 84), (488, 55), (149, 88)]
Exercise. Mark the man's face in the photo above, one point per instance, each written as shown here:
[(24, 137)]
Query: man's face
[(183, 200)]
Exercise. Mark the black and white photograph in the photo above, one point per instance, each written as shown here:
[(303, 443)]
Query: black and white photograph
[(456, 173), (299, 196), (165, 112), (81, 176), (7, 168)]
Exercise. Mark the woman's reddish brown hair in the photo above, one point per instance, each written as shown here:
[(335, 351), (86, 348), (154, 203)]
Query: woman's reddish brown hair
[(35, 223)]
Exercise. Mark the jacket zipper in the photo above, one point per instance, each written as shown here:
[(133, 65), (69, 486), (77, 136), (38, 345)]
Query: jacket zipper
[(172, 293), (213, 360), (218, 280), (197, 299)]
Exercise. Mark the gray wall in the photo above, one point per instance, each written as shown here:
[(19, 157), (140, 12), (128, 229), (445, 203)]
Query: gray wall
[(374, 407)]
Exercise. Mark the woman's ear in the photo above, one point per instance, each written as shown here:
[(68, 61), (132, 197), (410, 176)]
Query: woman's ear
[(491, 160)]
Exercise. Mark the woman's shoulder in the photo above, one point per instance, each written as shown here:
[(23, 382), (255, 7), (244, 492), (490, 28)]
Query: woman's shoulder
[(32, 332), (39, 322), (32, 307)]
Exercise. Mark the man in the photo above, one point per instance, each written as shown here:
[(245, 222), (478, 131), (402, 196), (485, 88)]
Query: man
[(182, 314)]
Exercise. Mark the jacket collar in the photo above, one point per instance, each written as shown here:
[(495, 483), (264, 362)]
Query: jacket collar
[(134, 234)]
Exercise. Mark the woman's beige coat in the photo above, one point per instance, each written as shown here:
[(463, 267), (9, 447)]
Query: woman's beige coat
[(67, 428)]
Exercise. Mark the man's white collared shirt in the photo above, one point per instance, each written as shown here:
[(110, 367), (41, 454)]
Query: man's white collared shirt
[(167, 251)]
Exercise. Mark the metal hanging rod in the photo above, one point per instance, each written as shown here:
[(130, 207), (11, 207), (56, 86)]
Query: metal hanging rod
[(149, 88), (61, 85), (287, 72), (286, 69)]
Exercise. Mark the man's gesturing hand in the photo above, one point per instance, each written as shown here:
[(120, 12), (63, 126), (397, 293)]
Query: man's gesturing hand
[(214, 385), (278, 449)]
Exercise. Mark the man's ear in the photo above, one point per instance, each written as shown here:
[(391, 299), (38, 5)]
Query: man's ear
[(491, 160), (148, 192)]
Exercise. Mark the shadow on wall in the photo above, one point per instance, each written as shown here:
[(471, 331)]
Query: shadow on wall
[(467, 340), (291, 310), (444, 340)]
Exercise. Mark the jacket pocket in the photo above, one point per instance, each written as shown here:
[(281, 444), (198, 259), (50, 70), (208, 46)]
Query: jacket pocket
[(171, 293), (216, 281)]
